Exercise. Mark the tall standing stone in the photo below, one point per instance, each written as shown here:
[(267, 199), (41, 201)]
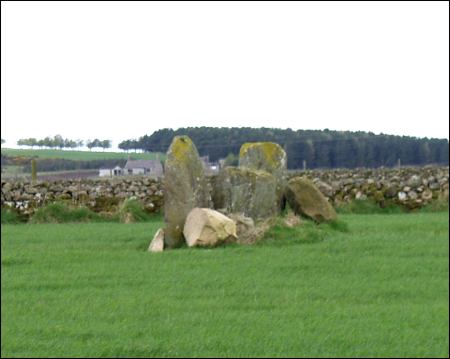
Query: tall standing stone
[(185, 187), (269, 157)]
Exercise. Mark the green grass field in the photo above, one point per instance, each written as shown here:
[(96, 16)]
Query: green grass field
[(78, 155), (371, 286)]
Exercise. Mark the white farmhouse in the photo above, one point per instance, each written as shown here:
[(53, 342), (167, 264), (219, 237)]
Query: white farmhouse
[(151, 168), (110, 172)]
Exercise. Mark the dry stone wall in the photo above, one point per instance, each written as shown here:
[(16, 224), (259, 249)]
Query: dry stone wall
[(101, 195), (410, 187)]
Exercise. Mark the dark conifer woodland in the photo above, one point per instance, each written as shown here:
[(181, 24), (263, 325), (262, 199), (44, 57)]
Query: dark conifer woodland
[(318, 148)]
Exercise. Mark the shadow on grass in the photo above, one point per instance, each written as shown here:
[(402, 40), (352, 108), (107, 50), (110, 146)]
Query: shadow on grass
[(12, 261)]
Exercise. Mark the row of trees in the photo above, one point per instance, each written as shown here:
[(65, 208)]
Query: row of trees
[(105, 144), (50, 142), (315, 148), (59, 142), (128, 145)]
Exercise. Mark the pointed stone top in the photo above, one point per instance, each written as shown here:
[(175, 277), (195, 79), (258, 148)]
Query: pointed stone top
[(182, 148)]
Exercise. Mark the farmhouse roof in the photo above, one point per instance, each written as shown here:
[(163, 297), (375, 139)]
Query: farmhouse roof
[(149, 164)]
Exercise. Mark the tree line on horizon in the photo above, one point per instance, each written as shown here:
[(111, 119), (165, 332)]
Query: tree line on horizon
[(59, 142), (310, 148)]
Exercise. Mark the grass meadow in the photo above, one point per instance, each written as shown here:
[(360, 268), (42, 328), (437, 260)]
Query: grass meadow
[(367, 286), (79, 155)]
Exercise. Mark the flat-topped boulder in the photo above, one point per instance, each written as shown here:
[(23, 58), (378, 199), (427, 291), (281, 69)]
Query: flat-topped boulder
[(269, 157), (206, 227), (246, 191), (305, 199), (185, 187)]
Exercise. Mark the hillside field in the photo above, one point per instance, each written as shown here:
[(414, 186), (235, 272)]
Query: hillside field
[(371, 286), (78, 155)]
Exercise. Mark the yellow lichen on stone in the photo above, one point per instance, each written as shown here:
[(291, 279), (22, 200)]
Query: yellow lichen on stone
[(180, 148), (251, 173), (272, 152), (245, 147)]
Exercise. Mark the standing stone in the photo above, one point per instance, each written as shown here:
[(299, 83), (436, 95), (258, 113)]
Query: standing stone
[(245, 191), (305, 198), (269, 157), (185, 187)]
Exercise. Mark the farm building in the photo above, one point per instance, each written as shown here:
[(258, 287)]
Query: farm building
[(151, 168), (110, 172), (144, 167)]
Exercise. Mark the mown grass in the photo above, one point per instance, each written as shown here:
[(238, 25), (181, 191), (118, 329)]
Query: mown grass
[(366, 286), (78, 155)]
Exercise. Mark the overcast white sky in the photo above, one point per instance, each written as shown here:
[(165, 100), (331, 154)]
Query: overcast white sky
[(121, 70)]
